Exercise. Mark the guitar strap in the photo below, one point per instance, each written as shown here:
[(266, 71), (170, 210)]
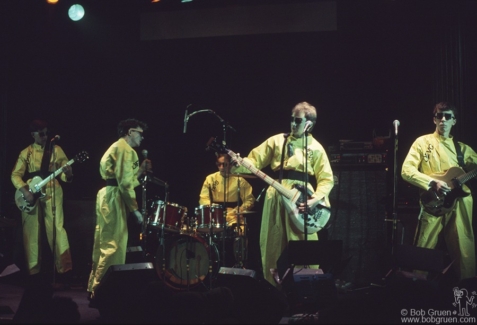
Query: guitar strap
[(285, 135), (460, 156)]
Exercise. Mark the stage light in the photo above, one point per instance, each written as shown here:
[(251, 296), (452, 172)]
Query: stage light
[(76, 12), (184, 1), (52, 1)]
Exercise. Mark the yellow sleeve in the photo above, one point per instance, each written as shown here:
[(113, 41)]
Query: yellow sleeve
[(410, 169), (204, 197), (248, 200), (61, 161), (19, 170)]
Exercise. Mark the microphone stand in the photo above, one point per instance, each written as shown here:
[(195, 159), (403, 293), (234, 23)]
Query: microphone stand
[(305, 189), (53, 208), (395, 218)]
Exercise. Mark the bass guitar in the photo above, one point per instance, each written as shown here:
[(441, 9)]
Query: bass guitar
[(439, 204), (37, 184), (317, 218)]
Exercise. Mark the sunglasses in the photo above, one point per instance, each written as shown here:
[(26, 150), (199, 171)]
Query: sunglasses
[(222, 164), (297, 120), (448, 116), (42, 134)]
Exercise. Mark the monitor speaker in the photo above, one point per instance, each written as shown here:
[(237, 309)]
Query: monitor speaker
[(256, 301), (119, 291)]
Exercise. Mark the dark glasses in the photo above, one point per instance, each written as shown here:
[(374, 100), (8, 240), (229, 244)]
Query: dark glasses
[(297, 120), (448, 116), (222, 164), (42, 134)]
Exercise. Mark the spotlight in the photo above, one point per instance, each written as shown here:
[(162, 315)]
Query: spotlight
[(76, 12), (52, 1)]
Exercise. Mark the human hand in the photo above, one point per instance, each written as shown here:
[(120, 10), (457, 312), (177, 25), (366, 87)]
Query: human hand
[(138, 215), (440, 187), (68, 171), (28, 196), (311, 203)]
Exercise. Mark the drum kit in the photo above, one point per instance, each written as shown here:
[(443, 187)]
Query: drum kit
[(187, 250)]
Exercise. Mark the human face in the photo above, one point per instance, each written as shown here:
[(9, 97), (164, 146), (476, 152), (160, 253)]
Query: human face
[(297, 124), (135, 136), (223, 165), (40, 136), (445, 123)]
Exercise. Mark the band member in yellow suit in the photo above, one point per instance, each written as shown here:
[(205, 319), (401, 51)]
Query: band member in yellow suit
[(222, 189), (29, 164), (277, 229), (120, 168), (434, 154)]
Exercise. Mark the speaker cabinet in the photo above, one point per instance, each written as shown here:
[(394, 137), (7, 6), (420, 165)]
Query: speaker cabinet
[(118, 294), (256, 301), (358, 207)]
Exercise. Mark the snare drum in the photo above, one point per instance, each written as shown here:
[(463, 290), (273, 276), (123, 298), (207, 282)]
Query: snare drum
[(210, 217), (171, 216)]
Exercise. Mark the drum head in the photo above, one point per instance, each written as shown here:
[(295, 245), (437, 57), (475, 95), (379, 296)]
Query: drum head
[(184, 261)]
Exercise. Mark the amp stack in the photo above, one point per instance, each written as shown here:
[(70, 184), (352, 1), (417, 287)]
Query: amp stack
[(360, 202)]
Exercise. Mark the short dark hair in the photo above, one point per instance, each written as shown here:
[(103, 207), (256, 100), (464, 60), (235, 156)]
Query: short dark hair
[(445, 106), (125, 125), (37, 125)]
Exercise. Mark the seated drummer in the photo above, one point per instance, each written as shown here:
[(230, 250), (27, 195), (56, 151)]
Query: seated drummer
[(222, 188)]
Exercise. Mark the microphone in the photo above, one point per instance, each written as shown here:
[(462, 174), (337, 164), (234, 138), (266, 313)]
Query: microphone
[(55, 138), (396, 124), (308, 125), (185, 121), (144, 153)]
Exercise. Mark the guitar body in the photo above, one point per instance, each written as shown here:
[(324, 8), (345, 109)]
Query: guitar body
[(20, 201), (317, 218), (37, 183), (439, 205)]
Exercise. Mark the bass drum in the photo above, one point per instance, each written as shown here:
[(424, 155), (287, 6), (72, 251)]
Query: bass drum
[(185, 252)]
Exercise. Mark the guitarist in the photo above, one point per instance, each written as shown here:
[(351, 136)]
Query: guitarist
[(36, 160), (287, 152), (434, 154)]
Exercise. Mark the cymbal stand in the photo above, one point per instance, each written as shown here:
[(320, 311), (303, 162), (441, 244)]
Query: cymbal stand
[(162, 230), (240, 241), (210, 246)]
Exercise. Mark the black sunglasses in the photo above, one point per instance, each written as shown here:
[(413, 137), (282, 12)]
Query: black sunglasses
[(42, 134), (297, 120), (448, 116)]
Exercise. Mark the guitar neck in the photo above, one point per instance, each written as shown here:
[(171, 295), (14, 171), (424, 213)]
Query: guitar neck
[(56, 173), (270, 181), (467, 177)]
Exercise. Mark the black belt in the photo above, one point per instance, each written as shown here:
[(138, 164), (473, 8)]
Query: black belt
[(111, 182), (227, 204), (293, 174)]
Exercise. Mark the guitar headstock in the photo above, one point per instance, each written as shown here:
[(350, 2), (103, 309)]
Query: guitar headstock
[(213, 145), (81, 156)]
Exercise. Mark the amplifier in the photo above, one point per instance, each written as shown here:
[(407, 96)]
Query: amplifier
[(358, 158)]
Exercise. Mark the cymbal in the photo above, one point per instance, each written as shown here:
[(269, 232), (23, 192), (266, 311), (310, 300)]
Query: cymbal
[(244, 175)]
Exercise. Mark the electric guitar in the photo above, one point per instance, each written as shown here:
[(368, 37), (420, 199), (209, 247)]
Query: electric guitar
[(37, 183), (438, 205), (317, 218)]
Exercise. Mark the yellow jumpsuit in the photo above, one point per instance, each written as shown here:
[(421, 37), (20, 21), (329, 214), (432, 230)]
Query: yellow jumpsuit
[(214, 185), (435, 154), (277, 229), (29, 160), (113, 204)]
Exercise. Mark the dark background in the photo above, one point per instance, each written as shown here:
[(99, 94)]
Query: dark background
[(387, 60)]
